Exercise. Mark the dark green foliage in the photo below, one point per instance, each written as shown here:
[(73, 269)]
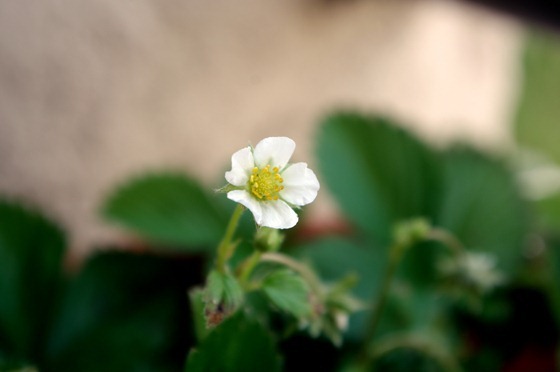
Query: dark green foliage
[(482, 206), (31, 252), (238, 344), (378, 173), (168, 208), (124, 312), (381, 175), (407, 359)]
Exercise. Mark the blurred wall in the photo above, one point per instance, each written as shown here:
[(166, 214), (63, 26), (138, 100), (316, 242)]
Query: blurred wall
[(93, 92)]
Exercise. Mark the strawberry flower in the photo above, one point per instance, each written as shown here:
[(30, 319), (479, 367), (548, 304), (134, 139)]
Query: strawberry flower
[(270, 187)]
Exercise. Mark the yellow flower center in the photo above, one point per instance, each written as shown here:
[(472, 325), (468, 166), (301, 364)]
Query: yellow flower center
[(265, 184)]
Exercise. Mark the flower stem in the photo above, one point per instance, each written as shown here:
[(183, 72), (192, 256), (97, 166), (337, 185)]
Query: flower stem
[(300, 268), (248, 266), (226, 247), (421, 344), (395, 254), (447, 239)]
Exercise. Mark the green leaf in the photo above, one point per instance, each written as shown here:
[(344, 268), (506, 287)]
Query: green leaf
[(168, 208), (335, 258), (538, 110), (31, 253), (125, 312), (482, 206), (378, 173), (238, 344), (288, 291)]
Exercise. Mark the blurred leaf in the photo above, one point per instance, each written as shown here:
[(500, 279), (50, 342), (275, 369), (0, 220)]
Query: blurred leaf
[(288, 291), (238, 344), (548, 211), (378, 173), (482, 206), (419, 310), (125, 312), (334, 258), (168, 208), (407, 359), (31, 252), (538, 111), (419, 264)]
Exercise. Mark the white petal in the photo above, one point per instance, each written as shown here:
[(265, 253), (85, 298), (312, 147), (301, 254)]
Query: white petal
[(300, 185), (275, 151), (277, 215), (243, 197), (242, 163)]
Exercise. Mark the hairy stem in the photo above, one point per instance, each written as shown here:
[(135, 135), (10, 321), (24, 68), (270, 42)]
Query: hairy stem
[(300, 268), (226, 246), (247, 267)]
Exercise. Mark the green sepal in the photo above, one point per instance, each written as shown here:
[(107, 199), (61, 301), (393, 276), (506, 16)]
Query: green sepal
[(268, 239), (223, 295), (227, 188)]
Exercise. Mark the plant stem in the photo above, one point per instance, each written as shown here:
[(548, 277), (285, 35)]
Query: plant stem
[(447, 239), (226, 247), (395, 254), (248, 266), (303, 270), (421, 344)]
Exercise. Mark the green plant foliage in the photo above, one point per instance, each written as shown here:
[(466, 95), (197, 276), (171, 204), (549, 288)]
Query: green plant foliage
[(538, 110), (124, 312), (407, 359), (224, 290), (536, 122), (482, 206), (288, 291), (238, 344), (381, 175), (168, 208), (334, 258), (410, 309), (378, 173), (31, 252)]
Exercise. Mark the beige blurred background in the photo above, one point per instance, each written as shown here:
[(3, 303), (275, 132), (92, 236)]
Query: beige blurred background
[(94, 92)]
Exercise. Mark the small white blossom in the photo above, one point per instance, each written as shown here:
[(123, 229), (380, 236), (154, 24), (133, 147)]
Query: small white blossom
[(268, 185), (476, 268)]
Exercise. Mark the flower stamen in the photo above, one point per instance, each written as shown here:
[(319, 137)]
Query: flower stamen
[(266, 183)]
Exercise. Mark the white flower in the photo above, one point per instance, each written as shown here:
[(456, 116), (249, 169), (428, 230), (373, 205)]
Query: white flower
[(481, 269), (476, 268), (268, 185)]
